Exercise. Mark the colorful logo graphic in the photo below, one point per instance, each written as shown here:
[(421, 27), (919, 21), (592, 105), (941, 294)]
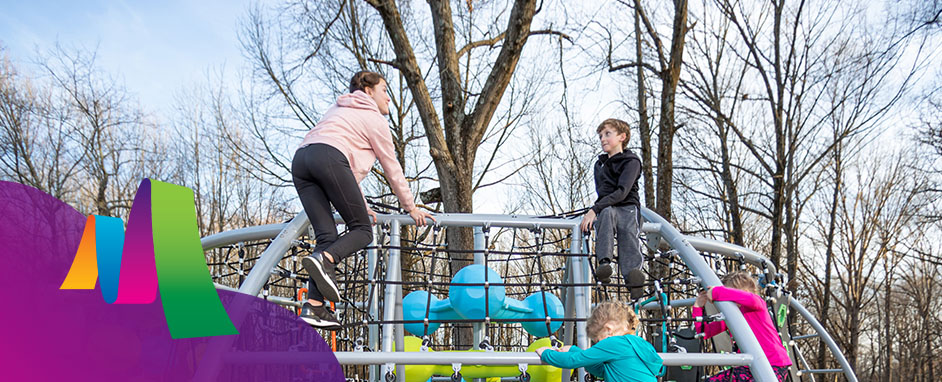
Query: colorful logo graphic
[(160, 251)]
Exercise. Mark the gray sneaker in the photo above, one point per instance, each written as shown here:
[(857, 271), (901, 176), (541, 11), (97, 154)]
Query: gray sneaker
[(319, 317), (322, 273), (636, 281), (604, 271)]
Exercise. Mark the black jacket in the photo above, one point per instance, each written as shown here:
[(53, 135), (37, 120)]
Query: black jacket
[(616, 180)]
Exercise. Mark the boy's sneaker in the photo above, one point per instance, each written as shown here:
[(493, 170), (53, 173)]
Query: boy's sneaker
[(636, 281), (604, 271), (319, 317), (322, 274)]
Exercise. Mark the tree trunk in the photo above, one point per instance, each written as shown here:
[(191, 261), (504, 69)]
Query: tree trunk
[(888, 347), (644, 129), (853, 332), (454, 139), (829, 253), (457, 197), (666, 127), (732, 193), (777, 105)]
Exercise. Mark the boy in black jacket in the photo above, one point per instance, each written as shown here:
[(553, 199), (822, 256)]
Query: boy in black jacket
[(618, 207)]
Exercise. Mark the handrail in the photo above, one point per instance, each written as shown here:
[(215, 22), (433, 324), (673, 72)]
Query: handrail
[(269, 231)]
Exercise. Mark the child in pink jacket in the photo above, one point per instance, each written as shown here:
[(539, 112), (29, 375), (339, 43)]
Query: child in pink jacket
[(335, 156), (741, 288)]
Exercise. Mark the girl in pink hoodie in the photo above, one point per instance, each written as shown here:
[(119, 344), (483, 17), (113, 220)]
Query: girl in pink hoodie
[(741, 288), (335, 156)]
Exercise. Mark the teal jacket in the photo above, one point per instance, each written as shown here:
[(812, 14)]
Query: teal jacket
[(626, 358)]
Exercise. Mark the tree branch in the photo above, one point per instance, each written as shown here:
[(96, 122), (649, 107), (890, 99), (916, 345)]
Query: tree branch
[(518, 29), (496, 39)]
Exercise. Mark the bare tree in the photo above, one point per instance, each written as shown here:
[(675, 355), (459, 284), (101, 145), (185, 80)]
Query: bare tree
[(918, 325), (716, 89), (107, 121), (37, 145), (455, 136), (875, 218), (669, 70)]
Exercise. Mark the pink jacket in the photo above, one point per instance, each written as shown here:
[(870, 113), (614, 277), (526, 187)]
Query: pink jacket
[(757, 316), (355, 126)]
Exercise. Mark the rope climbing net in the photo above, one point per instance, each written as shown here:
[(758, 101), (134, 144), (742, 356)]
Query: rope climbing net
[(533, 280)]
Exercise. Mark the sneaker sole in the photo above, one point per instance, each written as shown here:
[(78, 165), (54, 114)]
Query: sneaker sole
[(323, 282), (321, 324)]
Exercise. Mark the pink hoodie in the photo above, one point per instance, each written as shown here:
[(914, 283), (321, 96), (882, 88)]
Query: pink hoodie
[(355, 126), (756, 313)]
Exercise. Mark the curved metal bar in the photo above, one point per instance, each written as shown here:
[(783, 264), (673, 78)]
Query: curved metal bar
[(848, 372), (259, 232), (745, 338), (719, 247), (258, 276), (273, 254), (750, 256)]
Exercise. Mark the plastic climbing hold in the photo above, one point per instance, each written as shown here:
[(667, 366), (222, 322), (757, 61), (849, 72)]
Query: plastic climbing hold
[(422, 373), (477, 302)]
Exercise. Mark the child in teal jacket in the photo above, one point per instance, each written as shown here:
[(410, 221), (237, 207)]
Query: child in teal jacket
[(618, 355)]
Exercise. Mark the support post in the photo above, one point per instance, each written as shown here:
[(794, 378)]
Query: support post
[(477, 327), (569, 311), (581, 294), (372, 259), (389, 300)]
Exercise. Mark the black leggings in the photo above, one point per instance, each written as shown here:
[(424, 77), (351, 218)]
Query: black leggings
[(323, 177)]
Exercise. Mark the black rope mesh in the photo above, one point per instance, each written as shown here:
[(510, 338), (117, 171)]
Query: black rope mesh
[(529, 260)]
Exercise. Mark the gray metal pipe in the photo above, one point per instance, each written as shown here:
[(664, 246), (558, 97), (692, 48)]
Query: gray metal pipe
[(478, 331), (372, 259), (745, 338), (400, 332), (822, 371), (210, 367), (392, 303), (581, 294), (446, 220), (719, 247), (679, 303), (568, 296), (272, 255), (260, 232), (848, 371), (510, 358)]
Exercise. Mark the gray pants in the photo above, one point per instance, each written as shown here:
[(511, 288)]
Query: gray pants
[(623, 222)]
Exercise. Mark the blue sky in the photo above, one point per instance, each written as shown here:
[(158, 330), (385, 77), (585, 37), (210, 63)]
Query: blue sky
[(156, 48)]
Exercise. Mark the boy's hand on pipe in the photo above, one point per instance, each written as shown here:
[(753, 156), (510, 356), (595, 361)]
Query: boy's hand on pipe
[(587, 221)]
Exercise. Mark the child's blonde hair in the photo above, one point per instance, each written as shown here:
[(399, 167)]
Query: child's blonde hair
[(610, 311), (742, 281), (620, 127)]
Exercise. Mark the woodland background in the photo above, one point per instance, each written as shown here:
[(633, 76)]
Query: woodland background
[(808, 130)]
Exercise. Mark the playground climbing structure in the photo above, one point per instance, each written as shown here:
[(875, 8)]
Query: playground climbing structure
[(528, 283)]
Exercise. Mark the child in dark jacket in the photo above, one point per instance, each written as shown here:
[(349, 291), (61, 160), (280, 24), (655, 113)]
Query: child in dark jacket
[(617, 209), (617, 356)]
